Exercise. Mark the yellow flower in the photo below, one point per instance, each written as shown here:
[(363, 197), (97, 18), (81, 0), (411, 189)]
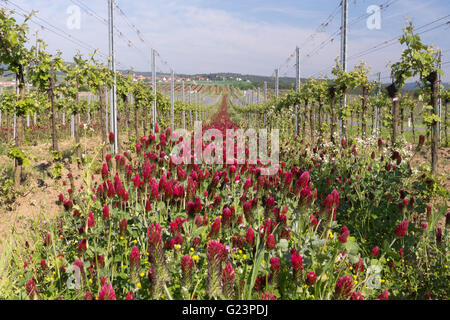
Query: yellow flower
[(354, 276), (263, 262), (139, 285), (244, 256), (21, 276), (123, 267), (90, 280), (192, 249), (387, 259), (331, 234), (446, 266), (240, 251), (177, 246), (54, 272), (121, 238), (403, 261), (356, 282), (382, 280), (142, 274), (195, 258), (135, 241), (351, 268)]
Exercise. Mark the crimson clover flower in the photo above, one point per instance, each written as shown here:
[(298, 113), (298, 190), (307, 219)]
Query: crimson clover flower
[(216, 255), (343, 289), (228, 276), (156, 250), (135, 263), (187, 265), (401, 229), (297, 267)]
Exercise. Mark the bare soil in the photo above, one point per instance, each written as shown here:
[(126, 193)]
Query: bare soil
[(443, 168), (443, 172), (37, 201)]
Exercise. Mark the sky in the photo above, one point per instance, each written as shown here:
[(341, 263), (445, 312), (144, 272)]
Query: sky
[(242, 36)]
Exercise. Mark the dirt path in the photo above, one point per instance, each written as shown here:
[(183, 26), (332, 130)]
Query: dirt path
[(38, 201), (443, 168)]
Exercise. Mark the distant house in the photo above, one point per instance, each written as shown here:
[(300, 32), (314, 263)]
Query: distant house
[(6, 84)]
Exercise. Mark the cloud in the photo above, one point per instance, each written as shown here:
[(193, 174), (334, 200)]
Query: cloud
[(289, 11), (197, 37), (205, 39)]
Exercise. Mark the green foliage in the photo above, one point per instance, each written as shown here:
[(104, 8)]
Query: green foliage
[(13, 38), (319, 90), (382, 101), (124, 85), (430, 118), (7, 193), (445, 95), (8, 101), (417, 59), (343, 80), (96, 74), (33, 102), (56, 171), (17, 154), (407, 103), (44, 66), (360, 76), (142, 95)]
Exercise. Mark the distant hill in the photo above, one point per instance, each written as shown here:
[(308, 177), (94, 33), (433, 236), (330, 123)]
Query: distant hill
[(257, 80), (284, 82)]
